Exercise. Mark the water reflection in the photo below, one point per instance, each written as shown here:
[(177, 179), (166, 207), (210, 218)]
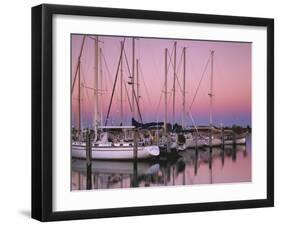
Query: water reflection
[(201, 166)]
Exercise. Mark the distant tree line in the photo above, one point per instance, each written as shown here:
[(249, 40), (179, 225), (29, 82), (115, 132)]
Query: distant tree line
[(239, 129)]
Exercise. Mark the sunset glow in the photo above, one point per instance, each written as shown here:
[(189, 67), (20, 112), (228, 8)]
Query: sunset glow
[(232, 80)]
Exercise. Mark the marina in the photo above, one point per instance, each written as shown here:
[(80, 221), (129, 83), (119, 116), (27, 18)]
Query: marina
[(116, 145), (223, 165)]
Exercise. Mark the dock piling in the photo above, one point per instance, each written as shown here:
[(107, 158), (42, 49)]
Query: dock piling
[(222, 136), (210, 137), (196, 142), (210, 157), (135, 145), (89, 159), (222, 156), (168, 143), (135, 176), (196, 162), (234, 138)]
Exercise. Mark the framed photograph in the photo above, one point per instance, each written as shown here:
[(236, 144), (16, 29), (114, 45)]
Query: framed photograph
[(145, 112)]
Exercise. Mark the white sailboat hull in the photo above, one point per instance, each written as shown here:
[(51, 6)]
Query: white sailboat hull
[(237, 141), (215, 142), (191, 143), (116, 153)]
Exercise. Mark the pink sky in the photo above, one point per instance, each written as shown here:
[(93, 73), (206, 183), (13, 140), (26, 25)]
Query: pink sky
[(232, 79)]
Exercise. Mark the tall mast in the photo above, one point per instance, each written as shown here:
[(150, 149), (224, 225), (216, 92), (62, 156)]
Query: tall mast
[(79, 98), (79, 63), (101, 89), (165, 92), (114, 85), (133, 77), (121, 83), (183, 94), (138, 95), (211, 89), (96, 120), (174, 82)]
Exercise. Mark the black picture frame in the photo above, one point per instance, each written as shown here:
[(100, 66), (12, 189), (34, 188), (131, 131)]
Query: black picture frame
[(42, 111)]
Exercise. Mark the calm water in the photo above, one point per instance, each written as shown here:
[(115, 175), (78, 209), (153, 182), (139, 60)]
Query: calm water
[(228, 165)]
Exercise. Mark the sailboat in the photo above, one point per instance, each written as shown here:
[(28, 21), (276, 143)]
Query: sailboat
[(102, 147), (123, 149), (194, 139), (171, 139), (239, 139)]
